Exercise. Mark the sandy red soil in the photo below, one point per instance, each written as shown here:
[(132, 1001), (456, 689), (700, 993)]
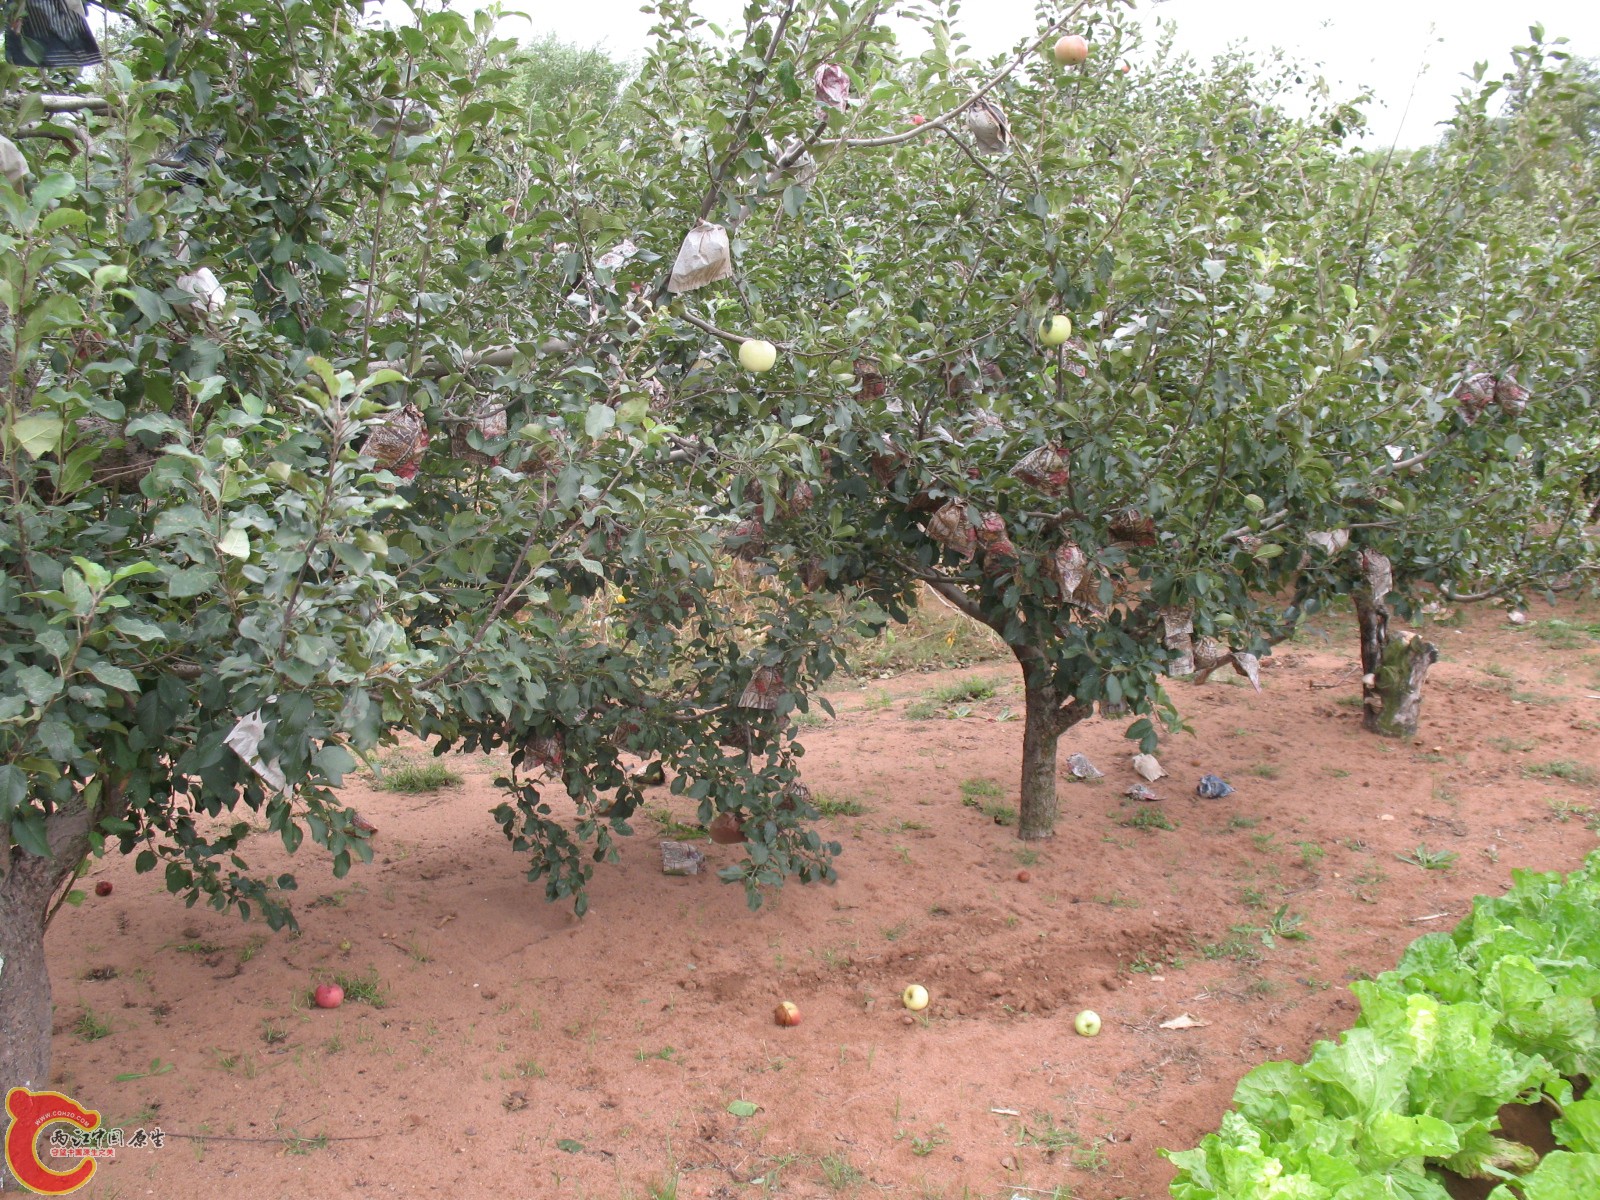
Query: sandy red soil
[(526, 1053)]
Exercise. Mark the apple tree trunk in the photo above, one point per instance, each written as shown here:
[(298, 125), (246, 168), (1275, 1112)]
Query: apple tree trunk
[(27, 888), (1046, 719), (1394, 666), (1040, 736)]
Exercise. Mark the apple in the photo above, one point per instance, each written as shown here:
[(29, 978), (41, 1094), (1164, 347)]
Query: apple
[(726, 829), (757, 356), (787, 1014), (1055, 330), (1087, 1023), (915, 997), (1023, 877), (1072, 50), (103, 888), (918, 119), (328, 995)]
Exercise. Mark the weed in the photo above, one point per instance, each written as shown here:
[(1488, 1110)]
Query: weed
[(1430, 860), (964, 690), (973, 790), (999, 812), (1559, 635), (846, 807), (1243, 822), (1508, 745), (1115, 900), (529, 1069), (674, 829), (90, 1026), (665, 1054), (838, 1172), (1044, 1133), (1240, 944), (1562, 768), (808, 720), (1310, 854), (409, 777), (881, 702), (1092, 1158), (1025, 858), (1251, 898), (272, 1032), (1265, 770), (200, 947), (921, 710), (365, 989), (1286, 925), (894, 933), (1565, 810), (1148, 818), (1497, 671), (1264, 842)]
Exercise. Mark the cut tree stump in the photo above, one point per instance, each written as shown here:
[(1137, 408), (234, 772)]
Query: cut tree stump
[(680, 858)]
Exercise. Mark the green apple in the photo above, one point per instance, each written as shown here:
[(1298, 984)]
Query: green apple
[(757, 355), (1087, 1023), (915, 997), (1055, 330)]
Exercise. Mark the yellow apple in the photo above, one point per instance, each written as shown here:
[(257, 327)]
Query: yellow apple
[(1055, 330), (915, 997), (757, 355)]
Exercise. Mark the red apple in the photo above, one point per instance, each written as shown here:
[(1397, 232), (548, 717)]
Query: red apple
[(328, 995), (103, 888), (786, 1014), (1023, 877), (1072, 50), (918, 119)]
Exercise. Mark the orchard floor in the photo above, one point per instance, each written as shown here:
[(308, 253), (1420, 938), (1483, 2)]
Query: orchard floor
[(526, 1053)]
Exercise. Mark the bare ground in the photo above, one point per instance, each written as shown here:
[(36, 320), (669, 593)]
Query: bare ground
[(525, 1053)]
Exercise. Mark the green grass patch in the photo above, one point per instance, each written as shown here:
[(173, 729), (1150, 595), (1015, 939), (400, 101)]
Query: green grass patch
[(1563, 768), (412, 777), (364, 989), (846, 807)]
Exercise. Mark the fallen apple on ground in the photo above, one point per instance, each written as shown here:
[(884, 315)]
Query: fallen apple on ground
[(103, 888), (787, 1014), (915, 997), (328, 995), (1087, 1023)]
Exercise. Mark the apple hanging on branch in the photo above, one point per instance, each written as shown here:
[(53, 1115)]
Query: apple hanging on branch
[(1072, 51), (1055, 330), (757, 355)]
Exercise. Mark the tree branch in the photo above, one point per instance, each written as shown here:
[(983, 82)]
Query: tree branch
[(994, 81)]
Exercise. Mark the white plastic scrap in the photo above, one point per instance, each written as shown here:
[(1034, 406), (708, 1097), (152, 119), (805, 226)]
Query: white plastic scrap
[(1147, 766), (245, 741)]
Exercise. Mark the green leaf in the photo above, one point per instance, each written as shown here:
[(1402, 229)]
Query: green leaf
[(119, 678), (37, 435), (190, 581), (568, 1145), (235, 543), (600, 418), (743, 1108)]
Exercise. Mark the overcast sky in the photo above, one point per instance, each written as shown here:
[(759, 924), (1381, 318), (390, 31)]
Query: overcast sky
[(1411, 53)]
